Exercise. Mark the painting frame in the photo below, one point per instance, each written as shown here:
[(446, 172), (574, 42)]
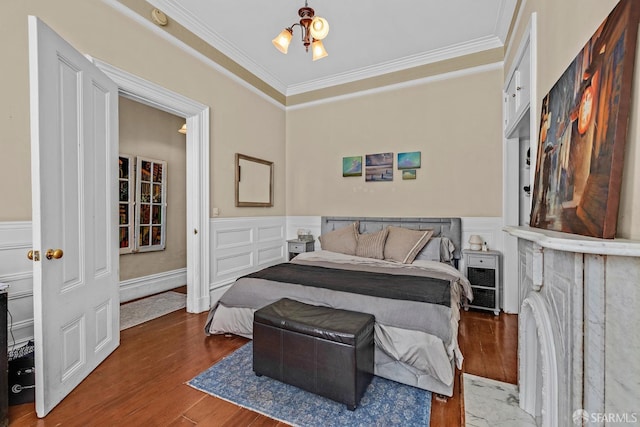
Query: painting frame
[(379, 167), (408, 174), (409, 160), (352, 166), (583, 132)]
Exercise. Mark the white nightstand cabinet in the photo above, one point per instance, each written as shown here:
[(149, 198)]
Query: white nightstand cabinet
[(483, 272), (296, 247)]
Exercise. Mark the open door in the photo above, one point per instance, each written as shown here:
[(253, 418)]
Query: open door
[(74, 154)]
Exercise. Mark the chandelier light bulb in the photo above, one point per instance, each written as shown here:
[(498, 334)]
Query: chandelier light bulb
[(319, 28), (282, 41), (318, 50)]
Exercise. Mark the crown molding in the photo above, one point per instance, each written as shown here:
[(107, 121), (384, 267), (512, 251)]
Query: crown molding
[(193, 24), (177, 12), (115, 4), (403, 85), (503, 23), (449, 52)]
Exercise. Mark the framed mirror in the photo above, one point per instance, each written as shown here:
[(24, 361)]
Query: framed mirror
[(254, 182)]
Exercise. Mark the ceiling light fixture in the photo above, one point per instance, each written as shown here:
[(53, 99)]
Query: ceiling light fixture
[(314, 29)]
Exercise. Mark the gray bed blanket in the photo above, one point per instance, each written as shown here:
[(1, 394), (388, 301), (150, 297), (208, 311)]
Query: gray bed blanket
[(383, 285)]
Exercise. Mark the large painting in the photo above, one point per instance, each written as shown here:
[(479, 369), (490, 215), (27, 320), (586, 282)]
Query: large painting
[(583, 130), (379, 167)]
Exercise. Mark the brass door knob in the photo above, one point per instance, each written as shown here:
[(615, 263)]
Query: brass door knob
[(54, 253), (30, 255)]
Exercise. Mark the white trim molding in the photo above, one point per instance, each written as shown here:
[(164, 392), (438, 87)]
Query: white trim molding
[(140, 287), (197, 115)]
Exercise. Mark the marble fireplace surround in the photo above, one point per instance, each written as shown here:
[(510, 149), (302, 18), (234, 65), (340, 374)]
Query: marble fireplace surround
[(578, 344)]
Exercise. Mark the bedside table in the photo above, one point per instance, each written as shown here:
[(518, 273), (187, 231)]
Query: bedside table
[(483, 272), (296, 247)]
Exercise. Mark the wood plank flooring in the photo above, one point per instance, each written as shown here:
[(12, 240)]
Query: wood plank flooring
[(143, 383)]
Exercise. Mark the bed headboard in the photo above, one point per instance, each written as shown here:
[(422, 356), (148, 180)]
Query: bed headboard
[(444, 227)]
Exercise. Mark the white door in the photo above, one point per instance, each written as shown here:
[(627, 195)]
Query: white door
[(74, 153)]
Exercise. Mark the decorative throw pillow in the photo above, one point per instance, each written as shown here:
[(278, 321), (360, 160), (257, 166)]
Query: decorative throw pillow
[(343, 240), (371, 245), (403, 244)]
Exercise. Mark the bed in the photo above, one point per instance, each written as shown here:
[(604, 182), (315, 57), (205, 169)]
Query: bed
[(401, 270)]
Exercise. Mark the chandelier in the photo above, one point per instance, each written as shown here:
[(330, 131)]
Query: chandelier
[(314, 29)]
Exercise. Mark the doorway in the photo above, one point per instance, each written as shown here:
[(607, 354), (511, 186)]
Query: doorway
[(197, 167), (152, 201)]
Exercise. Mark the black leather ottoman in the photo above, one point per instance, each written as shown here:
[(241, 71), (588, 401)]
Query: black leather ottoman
[(319, 349)]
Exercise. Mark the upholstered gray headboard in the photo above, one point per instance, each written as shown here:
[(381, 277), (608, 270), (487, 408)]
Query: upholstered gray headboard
[(444, 227)]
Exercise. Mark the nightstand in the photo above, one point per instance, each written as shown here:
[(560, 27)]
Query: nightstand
[(483, 272), (296, 247)]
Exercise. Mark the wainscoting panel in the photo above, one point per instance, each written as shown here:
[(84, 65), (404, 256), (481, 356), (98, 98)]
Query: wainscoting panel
[(17, 272), (234, 237), (233, 262), (270, 254), (241, 246)]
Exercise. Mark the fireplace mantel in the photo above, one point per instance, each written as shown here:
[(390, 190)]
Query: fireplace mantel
[(577, 343), (576, 243)]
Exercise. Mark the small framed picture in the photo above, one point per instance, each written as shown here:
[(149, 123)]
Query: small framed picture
[(409, 160), (352, 166), (408, 174)]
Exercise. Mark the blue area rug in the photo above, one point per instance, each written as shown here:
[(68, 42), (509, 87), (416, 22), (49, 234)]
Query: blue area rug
[(385, 403)]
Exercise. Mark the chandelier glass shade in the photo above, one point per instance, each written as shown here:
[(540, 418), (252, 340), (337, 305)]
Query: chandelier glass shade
[(314, 30)]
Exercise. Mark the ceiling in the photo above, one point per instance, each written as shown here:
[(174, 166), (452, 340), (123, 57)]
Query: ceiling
[(366, 38)]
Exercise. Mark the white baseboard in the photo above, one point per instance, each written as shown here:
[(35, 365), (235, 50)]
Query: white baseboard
[(141, 287)]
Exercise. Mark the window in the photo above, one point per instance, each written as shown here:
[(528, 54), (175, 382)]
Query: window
[(125, 203), (151, 204), (145, 229)]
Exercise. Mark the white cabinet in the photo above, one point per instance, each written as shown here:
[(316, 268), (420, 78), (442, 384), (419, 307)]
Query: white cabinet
[(517, 94)]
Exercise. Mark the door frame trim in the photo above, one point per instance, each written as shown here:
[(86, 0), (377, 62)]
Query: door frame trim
[(197, 115)]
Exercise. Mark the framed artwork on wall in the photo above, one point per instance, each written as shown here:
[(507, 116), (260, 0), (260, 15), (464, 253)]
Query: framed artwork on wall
[(583, 131), (409, 160), (352, 166), (379, 167), (408, 174)]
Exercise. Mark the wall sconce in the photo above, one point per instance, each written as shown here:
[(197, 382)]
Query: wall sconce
[(183, 129), (475, 242)]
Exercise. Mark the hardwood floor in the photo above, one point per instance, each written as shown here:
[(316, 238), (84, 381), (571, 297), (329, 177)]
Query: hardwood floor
[(143, 383)]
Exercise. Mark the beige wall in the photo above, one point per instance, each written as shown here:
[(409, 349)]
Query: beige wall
[(241, 121), (151, 133), (454, 123), (426, 118), (563, 29)]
